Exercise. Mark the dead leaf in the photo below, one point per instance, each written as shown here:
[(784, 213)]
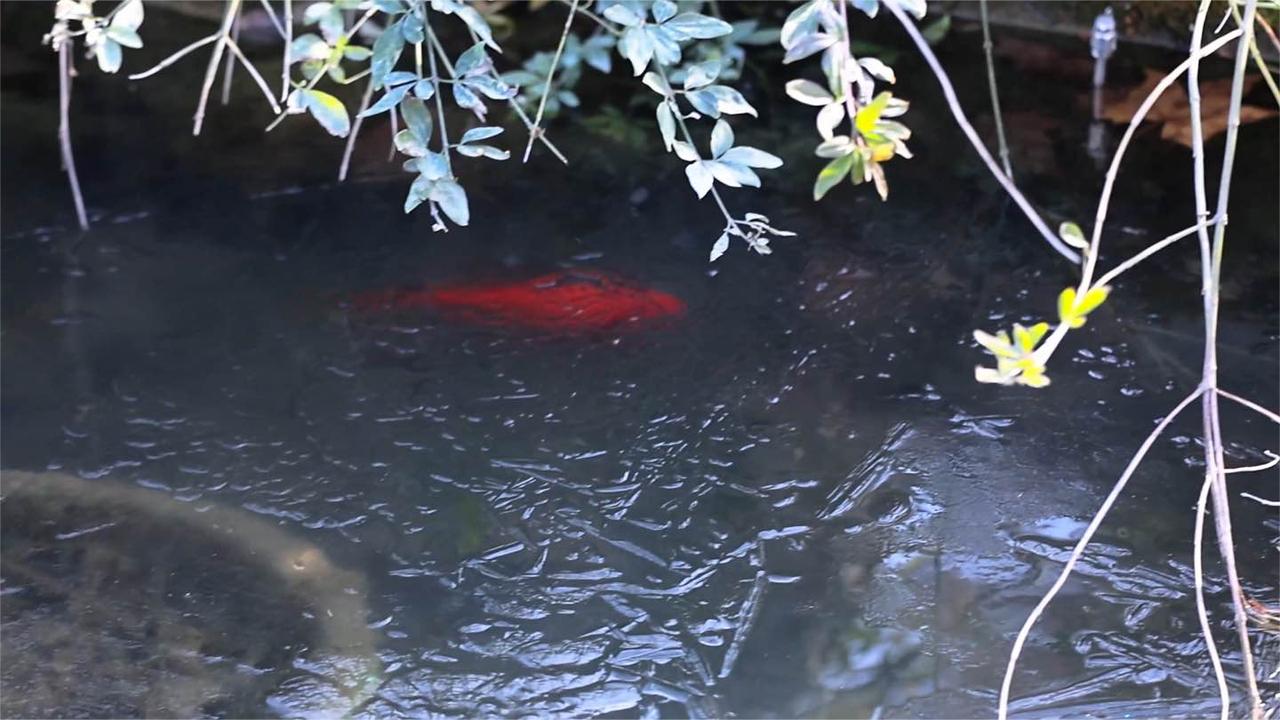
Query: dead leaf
[(1173, 109)]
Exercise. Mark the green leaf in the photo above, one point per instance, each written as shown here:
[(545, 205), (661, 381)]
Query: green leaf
[(752, 157), (418, 193), (687, 26), (472, 62), (722, 244), (409, 144), (729, 101), (700, 177), (386, 53), (623, 15), (328, 111), (355, 53), (808, 92), (309, 47), (721, 138), (478, 25), (831, 175), (636, 46), (452, 199), (416, 118), (704, 102), (1072, 235), (666, 124), (124, 36), (480, 133), (412, 29), (109, 55), (389, 99), (701, 74), (128, 17), (424, 89), (870, 7), (466, 98), (937, 30), (663, 10), (808, 45)]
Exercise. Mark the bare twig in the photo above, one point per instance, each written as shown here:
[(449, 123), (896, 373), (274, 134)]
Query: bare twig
[(1147, 252), (536, 130), (1250, 404), (355, 130), (954, 103), (1257, 54), (64, 130), (524, 117), (1078, 551), (1221, 504), (1113, 172), (1202, 612), (1275, 460), (228, 70), (275, 19), (1002, 145), (175, 57), (288, 42), (435, 79), (1264, 501), (253, 72), (233, 6)]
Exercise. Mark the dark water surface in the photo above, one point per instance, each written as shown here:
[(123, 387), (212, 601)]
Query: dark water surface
[(793, 502)]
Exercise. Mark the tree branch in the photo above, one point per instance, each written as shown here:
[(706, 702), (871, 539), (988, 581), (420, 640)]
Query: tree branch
[(1078, 551), (64, 130)]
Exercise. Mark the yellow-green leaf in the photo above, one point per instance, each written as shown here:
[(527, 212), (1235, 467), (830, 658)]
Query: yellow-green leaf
[(1072, 310), (1028, 338), (1072, 235), (868, 116), (831, 175)]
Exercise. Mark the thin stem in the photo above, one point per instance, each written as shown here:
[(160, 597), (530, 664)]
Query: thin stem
[(954, 103), (536, 130), (1078, 551), (1104, 201), (175, 57), (1215, 460), (435, 79), (1001, 144), (1257, 54), (233, 6), (391, 151), (1202, 612), (1262, 501), (64, 130), (688, 137), (524, 117), (1250, 404), (1275, 460), (288, 43), (597, 19), (229, 68), (1150, 250), (271, 14), (355, 130), (253, 72)]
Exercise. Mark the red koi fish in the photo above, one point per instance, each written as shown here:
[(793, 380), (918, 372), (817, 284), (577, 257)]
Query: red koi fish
[(563, 302)]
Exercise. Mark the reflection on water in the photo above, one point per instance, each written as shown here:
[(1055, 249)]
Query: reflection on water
[(792, 502)]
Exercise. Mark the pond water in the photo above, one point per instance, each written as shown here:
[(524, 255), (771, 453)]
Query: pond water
[(792, 501)]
